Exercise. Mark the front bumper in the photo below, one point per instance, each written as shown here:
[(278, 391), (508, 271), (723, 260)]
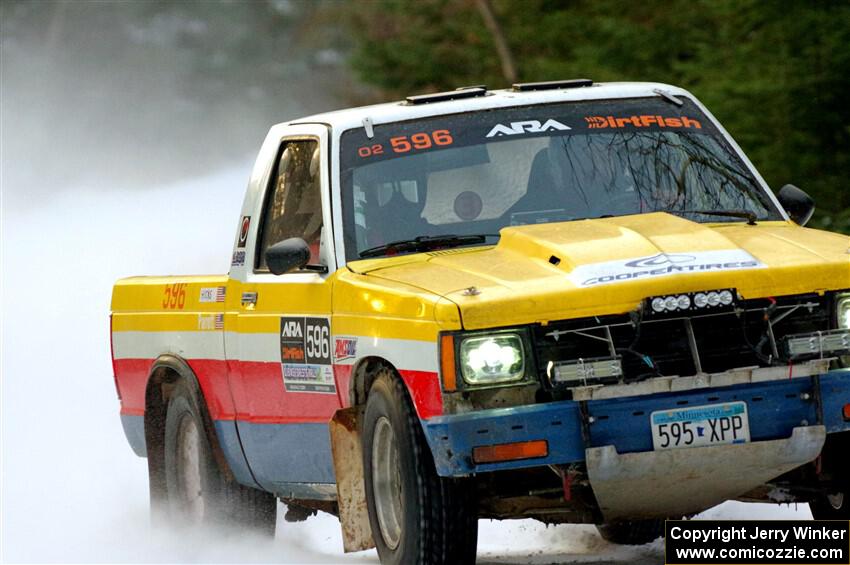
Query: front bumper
[(572, 428)]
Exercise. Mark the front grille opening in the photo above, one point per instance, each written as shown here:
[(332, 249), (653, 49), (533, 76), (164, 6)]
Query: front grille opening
[(663, 347)]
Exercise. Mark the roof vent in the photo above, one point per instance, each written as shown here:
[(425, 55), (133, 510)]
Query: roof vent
[(552, 84), (445, 96)]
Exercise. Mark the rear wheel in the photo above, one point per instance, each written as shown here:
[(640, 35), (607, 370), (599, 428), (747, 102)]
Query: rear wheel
[(198, 493), (632, 532), (416, 516), (834, 506)]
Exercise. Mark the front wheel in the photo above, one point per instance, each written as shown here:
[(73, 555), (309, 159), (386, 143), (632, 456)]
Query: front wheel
[(416, 516), (834, 504), (198, 493)]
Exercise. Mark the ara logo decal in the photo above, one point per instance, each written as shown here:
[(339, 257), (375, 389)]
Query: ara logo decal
[(529, 126), (291, 328)]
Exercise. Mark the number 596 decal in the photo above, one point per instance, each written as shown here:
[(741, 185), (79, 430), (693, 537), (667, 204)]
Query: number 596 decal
[(318, 341), (305, 354), (412, 142), (422, 140), (305, 340), (174, 296)]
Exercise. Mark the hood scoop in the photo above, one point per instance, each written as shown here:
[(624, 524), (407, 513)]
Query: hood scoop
[(567, 245)]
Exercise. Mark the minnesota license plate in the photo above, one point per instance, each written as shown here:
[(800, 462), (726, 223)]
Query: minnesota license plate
[(697, 426)]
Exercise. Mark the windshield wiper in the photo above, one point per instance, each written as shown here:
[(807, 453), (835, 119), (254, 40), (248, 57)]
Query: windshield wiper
[(745, 214), (425, 243)]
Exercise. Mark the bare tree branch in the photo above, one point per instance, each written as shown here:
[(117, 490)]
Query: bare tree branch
[(506, 58)]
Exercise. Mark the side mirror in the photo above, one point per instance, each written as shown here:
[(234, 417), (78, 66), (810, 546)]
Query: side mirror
[(287, 255), (797, 203)]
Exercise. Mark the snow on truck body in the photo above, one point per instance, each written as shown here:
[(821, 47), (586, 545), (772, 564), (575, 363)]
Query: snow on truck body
[(573, 283)]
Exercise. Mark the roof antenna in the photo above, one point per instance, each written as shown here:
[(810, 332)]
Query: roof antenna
[(668, 97), (367, 125)]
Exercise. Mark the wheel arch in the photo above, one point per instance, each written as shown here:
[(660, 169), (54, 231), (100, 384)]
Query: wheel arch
[(363, 375), (165, 372)]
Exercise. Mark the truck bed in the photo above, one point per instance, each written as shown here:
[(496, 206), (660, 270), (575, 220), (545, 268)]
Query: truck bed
[(154, 316)]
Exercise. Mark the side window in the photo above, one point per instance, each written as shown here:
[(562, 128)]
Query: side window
[(293, 207)]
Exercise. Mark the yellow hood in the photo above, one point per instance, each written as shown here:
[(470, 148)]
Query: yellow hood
[(607, 266)]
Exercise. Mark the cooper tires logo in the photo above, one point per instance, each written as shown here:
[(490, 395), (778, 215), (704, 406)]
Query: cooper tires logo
[(663, 265), (660, 260)]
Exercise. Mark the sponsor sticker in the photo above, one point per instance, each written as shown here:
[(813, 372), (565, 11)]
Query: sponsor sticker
[(663, 265), (612, 122), (309, 378), (305, 354), (212, 294), (243, 231), (238, 258), (344, 348), (210, 322), (527, 126)]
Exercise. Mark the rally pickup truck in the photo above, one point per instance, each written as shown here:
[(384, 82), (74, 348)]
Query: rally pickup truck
[(567, 301)]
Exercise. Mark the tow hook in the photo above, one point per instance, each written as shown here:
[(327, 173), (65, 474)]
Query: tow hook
[(568, 476)]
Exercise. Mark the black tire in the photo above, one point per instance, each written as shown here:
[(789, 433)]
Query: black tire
[(834, 504), (833, 507), (632, 532), (438, 517), (198, 493)]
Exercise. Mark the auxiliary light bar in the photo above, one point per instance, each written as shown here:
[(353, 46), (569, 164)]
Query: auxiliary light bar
[(691, 301), (816, 344), (583, 371)]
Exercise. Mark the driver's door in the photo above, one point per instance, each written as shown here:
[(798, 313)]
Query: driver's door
[(282, 375)]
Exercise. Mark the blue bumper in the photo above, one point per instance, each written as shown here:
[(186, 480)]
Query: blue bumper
[(775, 408)]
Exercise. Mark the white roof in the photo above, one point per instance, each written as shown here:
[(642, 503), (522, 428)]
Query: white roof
[(399, 111)]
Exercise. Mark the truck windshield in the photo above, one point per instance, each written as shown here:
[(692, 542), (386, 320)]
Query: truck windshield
[(475, 173)]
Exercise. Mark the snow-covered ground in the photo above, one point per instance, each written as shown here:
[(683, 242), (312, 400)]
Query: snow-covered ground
[(72, 490)]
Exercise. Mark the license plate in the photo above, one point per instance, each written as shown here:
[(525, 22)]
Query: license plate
[(698, 426)]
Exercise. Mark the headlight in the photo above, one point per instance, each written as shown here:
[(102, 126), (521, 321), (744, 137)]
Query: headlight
[(843, 311), (492, 359)]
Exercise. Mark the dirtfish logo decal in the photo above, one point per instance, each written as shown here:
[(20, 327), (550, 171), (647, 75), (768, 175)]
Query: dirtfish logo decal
[(600, 122), (663, 265), (530, 126)]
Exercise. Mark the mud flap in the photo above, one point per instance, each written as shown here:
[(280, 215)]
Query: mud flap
[(345, 429), (678, 482)]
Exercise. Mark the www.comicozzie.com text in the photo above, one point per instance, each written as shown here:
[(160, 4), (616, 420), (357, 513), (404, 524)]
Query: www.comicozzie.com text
[(726, 534)]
